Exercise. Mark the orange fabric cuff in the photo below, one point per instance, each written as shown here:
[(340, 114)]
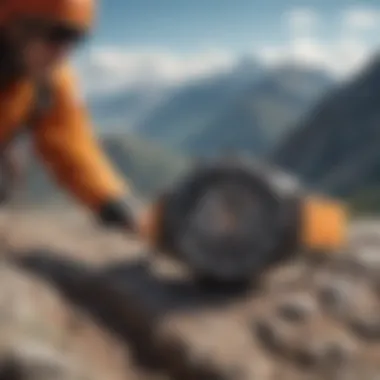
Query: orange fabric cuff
[(324, 224)]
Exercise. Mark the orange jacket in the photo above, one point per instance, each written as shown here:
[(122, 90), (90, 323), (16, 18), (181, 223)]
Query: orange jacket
[(63, 138)]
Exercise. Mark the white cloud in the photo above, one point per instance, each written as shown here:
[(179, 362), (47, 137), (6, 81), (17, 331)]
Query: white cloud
[(342, 54), (361, 18), (301, 20), (341, 57), (108, 69)]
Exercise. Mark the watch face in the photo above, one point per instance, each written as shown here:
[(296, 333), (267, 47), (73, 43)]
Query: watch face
[(231, 224)]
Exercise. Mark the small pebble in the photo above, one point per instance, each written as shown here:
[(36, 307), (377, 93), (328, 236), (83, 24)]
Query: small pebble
[(367, 328), (298, 309), (335, 296)]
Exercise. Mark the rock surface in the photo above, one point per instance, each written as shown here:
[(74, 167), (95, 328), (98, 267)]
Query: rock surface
[(77, 302)]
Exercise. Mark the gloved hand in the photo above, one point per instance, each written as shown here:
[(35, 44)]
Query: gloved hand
[(122, 213)]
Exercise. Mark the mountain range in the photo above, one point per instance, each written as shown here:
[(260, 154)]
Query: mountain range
[(336, 148), (262, 112), (246, 108)]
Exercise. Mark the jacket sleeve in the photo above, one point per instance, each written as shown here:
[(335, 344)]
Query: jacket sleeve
[(66, 143)]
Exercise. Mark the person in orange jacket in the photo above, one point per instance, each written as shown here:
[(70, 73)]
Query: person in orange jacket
[(39, 89)]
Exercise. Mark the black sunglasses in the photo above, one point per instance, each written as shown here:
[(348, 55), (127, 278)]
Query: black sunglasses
[(61, 34), (55, 33)]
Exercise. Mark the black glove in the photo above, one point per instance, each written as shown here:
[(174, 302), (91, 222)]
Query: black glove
[(121, 213)]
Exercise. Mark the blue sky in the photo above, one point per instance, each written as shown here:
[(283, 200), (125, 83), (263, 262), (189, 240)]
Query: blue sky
[(186, 24), (178, 39)]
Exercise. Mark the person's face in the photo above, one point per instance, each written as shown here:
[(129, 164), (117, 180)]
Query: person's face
[(41, 46)]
